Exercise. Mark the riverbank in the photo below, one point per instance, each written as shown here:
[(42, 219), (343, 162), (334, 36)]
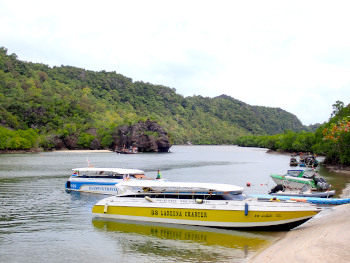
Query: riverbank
[(345, 169), (83, 151), (338, 169), (325, 238)]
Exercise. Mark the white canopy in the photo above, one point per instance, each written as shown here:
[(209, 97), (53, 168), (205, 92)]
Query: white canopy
[(113, 170), (163, 186)]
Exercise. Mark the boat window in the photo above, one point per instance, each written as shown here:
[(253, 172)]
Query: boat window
[(307, 174), (234, 197), (294, 173), (189, 197), (113, 176)]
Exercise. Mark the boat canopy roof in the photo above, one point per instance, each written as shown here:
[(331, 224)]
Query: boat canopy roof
[(190, 187), (301, 173), (108, 170)]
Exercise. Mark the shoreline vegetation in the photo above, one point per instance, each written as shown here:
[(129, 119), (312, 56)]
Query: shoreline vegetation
[(331, 139), (338, 168)]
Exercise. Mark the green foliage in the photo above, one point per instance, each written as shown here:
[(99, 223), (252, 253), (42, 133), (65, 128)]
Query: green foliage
[(331, 139), (75, 108), (85, 140), (18, 140), (152, 134), (335, 142)]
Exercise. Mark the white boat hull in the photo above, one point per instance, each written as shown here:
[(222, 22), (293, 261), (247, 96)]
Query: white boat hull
[(291, 183), (98, 186), (246, 214)]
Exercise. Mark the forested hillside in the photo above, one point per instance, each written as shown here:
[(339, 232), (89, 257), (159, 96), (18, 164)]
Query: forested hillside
[(76, 108), (331, 139)]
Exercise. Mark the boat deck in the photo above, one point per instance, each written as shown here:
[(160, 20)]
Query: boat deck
[(314, 200)]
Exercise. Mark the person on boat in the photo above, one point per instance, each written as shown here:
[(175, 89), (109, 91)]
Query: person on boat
[(158, 175), (274, 199)]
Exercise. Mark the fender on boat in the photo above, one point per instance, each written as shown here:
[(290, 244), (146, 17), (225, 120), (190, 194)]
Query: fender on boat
[(105, 208), (246, 209)]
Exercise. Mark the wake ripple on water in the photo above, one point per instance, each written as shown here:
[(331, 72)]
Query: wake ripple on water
[(26, 206)]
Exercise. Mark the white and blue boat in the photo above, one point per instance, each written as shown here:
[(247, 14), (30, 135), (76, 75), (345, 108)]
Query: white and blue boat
[(101, 180)]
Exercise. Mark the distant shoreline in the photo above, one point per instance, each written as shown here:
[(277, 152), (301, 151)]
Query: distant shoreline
[(40, 151), (332, 168), (338, 168), (82, 151)]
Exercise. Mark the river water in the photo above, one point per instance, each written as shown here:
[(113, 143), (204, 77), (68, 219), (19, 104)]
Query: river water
[(41, 222)]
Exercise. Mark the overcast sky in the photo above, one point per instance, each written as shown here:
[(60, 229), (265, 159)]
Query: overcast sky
[(289, 54)]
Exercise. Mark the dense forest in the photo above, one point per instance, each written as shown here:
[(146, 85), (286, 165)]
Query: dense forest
[(332, 139), (68, 107)]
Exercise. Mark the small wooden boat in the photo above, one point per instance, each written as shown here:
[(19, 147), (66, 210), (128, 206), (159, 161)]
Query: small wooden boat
[(131, 150), (293, 161)]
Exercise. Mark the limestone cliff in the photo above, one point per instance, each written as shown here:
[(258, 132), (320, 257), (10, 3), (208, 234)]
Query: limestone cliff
[(147, 136)]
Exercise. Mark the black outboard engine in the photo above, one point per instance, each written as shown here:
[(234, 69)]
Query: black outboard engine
[(322, 184), (276, 189)]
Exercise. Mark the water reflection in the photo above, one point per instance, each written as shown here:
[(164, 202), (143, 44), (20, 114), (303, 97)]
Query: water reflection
[(338, 181), (177, 243)]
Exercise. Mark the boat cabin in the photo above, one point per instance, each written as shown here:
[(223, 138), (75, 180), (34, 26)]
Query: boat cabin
[(186, 196), (112, 173)]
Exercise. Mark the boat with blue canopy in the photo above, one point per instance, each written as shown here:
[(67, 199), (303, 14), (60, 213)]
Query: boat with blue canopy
[(101, 180)]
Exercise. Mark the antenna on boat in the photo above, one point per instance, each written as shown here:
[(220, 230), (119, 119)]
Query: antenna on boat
[(88, 162)]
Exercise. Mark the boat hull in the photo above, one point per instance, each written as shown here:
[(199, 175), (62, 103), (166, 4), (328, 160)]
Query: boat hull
[(326, 194), (270, 216), (93, 187), (101, 180), (291, 182)]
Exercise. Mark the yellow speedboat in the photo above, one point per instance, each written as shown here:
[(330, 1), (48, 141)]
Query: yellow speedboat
[(201, 204)]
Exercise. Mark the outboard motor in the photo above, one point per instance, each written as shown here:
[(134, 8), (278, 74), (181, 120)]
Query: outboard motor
[(276, 189), (322, 184)]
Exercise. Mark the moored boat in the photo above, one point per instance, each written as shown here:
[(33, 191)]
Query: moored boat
[(293, 161), (131, 150), (101, 180), (309, 161), (298, 179), (306, 191), (201, 204)]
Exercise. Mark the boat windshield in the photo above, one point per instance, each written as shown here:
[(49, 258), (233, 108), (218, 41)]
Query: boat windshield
[(308, 174), (188, 196), (110, 175), (295, 173)]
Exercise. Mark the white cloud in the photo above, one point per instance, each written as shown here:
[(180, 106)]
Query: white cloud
[(293, 55)]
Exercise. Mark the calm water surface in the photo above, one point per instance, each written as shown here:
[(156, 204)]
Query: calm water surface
[(40, 222)]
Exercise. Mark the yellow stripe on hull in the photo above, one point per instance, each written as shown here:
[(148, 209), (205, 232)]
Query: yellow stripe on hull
[(223, 218)]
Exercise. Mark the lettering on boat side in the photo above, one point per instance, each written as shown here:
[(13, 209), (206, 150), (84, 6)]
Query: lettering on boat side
[(268, 215), (102, 188), (178, 234), (171, 213)]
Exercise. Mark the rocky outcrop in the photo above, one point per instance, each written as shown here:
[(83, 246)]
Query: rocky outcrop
[(147, 136)]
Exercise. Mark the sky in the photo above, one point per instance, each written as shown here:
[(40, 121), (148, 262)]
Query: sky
[(294, 55)]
